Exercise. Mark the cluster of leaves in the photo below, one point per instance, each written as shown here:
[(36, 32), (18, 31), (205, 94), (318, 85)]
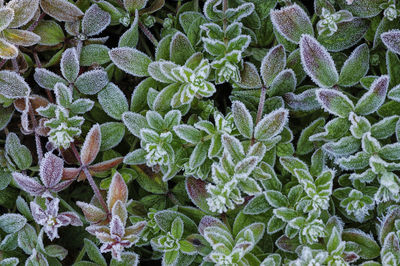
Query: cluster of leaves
[(215, 132)]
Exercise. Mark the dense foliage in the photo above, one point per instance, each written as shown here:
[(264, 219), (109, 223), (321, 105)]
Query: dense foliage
[(218, 132)]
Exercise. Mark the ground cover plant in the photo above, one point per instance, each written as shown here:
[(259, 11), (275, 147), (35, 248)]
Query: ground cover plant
[(218, 132)]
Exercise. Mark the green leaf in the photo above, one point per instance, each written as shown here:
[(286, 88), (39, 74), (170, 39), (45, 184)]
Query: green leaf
[(50, 32), (11, 222), (19, 153), (180, 48), (271, 125), (177, 228), (164, 220), (283, 83), (317, 62), (131, 61), (304, 145), (134, 122), (91, 82), (56, 251), (374, 98), (93, 252), (257, 205), (131, 37), (249, 78), (13, 85), (243, 119), (113, 101), (188, 133), (149, 181), (363, 8), (292, 163), (27, 239), (345, 146), (355, 67), (369, 249), (170, 257), (348, 34), (94, 54), (199, 154), (69, 64), (335, 102), (276, 199), (112, 134), (127, 258)]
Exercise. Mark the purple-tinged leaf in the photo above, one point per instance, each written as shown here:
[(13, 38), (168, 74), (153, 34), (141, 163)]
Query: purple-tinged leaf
[(362, 8), (272, 64), (286, 244), (180, 48), (355, 67), (209, 221), (249, 78), (105, 165), (369, 249), (292, 22), (51, 169), (61, 10), (29, 184), (91, 146), (197, 192), (374, 98), (117, 191), (317, 62), (392, 40), (284, 82), (335, 102)]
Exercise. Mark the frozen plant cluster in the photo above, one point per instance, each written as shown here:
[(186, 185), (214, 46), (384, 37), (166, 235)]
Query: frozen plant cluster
[(200, 132)]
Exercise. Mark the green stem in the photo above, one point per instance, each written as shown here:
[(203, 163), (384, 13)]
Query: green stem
[(80, 255)]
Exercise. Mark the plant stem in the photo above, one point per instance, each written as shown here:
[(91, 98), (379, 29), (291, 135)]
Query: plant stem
[(196, 5), (15, 65), (80, 255), (37, 137), (148, 34), (90, 179), (260, 109)]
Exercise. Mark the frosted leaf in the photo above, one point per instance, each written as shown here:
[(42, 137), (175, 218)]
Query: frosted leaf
[(47, 79), (271, 125), (131, 61), (113, 101), (21, 37), (180, 48), (94, 54), (112, 134), (243, 119), (11, 222), (335, 102), (374, 98), (12, 85), (355, 67), (283, 83), (317, 62), (51, 169), (132, 5), (292, 22), (95, 20), (91, 82), (81, 106), (392, 40), (117, 191), (249, 78), (50, 32), (29, 184), (63, 95), (91, 146), (6, 16), (7, 50), (305, 101), (344, 147), (134, 122), (69, 64), (61, 10), (130, 37), (92, 213), (24, 10)]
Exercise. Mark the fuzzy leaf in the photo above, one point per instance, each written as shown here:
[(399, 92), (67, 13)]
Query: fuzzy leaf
[(271, 125), (180, 48), (94, 54), (130, 37), (19, 153), (91, 82), (113, 101), (112, 134), (355, 67), (317, 62), (47, 79), (249, 78), (292, 22), (374, 98), (188, 133), (243, 119), (392, 40), (50, 32), (93, 252), (24, 11), (13, 85), (95, 20), (11, 222), (283, 83), (272, 64), (61, 10), (70, 64), (335, 102), (131, 61), (91, 146)]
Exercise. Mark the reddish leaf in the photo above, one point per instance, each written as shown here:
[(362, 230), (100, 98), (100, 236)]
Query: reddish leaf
[(117, 191), (51, 169), (91, 147), (29, 184)]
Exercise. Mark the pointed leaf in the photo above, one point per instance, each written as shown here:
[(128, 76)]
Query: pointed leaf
[(131, 61)]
